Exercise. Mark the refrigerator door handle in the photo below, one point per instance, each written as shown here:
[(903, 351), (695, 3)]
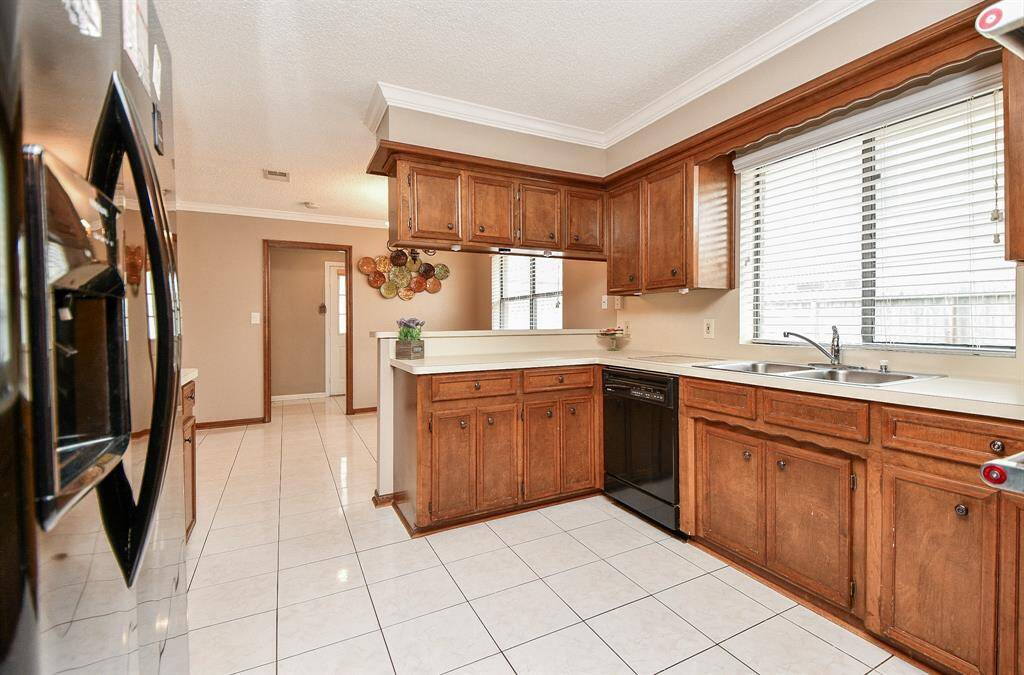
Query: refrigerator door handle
[(120, 134)]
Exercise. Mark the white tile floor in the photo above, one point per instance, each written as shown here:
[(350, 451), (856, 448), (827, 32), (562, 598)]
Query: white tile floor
[(292, 570)]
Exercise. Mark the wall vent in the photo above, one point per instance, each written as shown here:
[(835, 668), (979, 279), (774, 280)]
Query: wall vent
[(273, 174)]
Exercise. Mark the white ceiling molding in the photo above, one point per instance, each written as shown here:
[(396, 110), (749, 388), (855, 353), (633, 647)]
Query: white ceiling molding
[(227, 209), (813, 19), (390, 95), (818, 16)]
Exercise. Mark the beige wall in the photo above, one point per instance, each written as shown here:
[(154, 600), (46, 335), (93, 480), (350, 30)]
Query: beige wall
[(298, 350), (220, 259)]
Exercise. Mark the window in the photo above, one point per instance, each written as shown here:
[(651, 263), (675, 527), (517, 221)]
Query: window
[(526, 293), (342, 305), (888, 224)]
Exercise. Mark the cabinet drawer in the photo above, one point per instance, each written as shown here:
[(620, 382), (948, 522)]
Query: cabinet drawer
[(553, 379), (473, 385), (188, 399), (823, 414), (958, 437), (732, 399)]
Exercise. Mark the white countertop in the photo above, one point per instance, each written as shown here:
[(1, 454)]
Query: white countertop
[(490, 333), (995, 398), (189, 374)]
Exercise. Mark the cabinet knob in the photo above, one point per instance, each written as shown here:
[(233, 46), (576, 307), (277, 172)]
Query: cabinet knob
[(549, 413), (675, 272), (462, 424), (747, 455), (561, 379), (551, 236), (632, 277), (572, 410), (997, 446), (490, 419), (575, 237), (476, 386), (781, 464), (451, 226), (961, 510), (480, 228)]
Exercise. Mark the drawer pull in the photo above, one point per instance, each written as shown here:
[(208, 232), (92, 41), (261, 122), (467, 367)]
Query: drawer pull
[(782, 465), (747, 455), (462, 424), (490, 419), (476, 386), (549, 413), (997, 446), (961, 510), (561, 379), (572, 410)]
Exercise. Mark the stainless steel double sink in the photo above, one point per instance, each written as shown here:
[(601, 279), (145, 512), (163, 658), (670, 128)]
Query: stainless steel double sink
[(837, 374)]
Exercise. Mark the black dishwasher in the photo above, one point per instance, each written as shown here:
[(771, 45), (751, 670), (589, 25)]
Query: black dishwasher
[(641, 443)]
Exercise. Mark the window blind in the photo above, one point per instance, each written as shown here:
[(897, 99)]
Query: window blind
[(526, 292), (889, 226)]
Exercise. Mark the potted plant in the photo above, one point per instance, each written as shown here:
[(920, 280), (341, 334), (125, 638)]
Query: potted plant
[(409, 345)]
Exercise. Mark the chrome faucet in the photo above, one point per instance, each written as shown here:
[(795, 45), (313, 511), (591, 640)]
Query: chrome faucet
[(834, 354)]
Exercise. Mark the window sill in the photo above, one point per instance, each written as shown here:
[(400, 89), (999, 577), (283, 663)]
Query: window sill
[(944, 351)]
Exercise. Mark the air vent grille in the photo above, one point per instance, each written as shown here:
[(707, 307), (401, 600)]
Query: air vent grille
[(274, 174)]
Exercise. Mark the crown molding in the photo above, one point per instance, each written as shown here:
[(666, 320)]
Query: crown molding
[(227, 209), (818, 16), (391, 95)]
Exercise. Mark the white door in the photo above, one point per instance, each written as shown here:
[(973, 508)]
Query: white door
[(337, 326)]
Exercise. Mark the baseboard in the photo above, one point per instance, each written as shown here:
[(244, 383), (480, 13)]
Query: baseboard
[(360, 411), (295, 397), (383, 500), (140, 434), (219, 424)]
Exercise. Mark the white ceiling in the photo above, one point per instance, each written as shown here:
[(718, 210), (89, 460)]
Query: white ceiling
[(285, 84)]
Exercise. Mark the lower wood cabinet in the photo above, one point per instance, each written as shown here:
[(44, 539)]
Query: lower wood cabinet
[(732, 496), (541, 450), (497, 462), (939, 568), (189, 466), (578, 461), (1011, 586), (453, 461)]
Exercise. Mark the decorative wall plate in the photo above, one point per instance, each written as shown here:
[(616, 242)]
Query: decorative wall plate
[(406, 293), (433, 285), (418, 284), (400, 276), (366, 265), (399, 258), (377, 279), (383, 263), (426, 270), (389, 289), (441, 271), (403, 274)]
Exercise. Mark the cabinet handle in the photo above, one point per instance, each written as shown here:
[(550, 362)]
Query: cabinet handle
[(476, 386), (747, 455), (997, 446), (575, 237), (451, 226), (675, 272), (782, 465), (462, 424), (961, 510), (490, 419), (561, 379), (480, 228), (549, 413), (551, 236), (572, 410)]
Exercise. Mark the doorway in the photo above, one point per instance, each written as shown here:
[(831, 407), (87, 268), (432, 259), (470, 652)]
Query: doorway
[(307, 322)]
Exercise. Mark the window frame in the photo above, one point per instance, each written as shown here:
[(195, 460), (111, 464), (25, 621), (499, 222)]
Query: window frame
[(533, 296)]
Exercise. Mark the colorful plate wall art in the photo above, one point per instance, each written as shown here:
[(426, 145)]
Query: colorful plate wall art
[(402, 274)]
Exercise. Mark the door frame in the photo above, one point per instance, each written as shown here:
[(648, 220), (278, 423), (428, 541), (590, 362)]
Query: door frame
[(328, 352), (340, 248)]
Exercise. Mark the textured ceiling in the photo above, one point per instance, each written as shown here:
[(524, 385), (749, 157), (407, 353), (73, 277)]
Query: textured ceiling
[(284, 84)]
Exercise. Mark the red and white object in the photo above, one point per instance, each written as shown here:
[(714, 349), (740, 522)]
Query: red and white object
[(1004, 23), (1006, 473)]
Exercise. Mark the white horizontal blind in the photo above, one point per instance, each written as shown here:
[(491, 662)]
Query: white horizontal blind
[(526, 292), (894, 234)]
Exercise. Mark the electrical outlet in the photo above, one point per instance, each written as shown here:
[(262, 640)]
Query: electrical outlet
[(604, 302), (709, 328), (254, 318), (618, 302)]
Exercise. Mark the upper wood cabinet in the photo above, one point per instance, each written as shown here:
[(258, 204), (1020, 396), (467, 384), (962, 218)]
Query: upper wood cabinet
[(938, 571), (434, 203), (710, 228), (584, 220), (664, 226), (624, 208), (490, 209), (540, 216)]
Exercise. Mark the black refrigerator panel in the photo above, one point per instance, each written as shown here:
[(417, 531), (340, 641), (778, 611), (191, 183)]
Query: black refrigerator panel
[(104, 544)]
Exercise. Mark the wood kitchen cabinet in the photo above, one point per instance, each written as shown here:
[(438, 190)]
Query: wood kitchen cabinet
[(453, 462), (188, 447), (491, 209), (434, 203), (732, 498), (807, 497), (540, 216), (584, 220), (664, 226), (541, 449), (578, 462), (497, 470), (939, 565), (1011, 585), (624, 208)]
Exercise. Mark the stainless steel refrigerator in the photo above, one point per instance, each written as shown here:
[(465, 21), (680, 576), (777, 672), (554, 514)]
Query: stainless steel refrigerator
[(91, 479)]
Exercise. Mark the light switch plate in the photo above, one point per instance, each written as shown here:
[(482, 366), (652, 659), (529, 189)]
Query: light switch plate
[(709, 328), (604, 302), (254, 318)]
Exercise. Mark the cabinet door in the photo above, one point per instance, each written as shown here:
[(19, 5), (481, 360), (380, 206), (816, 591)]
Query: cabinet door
[(584, 215), (435, 203), (540, 450), (808, 526), (540, 216), (452, 464), (578, 465), (624, 239), (939, 568), (1011, 585), (189, 468), (732, 494), (664, 257), (497, 470), (491, 217)]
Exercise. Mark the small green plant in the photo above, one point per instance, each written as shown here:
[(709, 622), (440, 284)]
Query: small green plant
[(410, 329)]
